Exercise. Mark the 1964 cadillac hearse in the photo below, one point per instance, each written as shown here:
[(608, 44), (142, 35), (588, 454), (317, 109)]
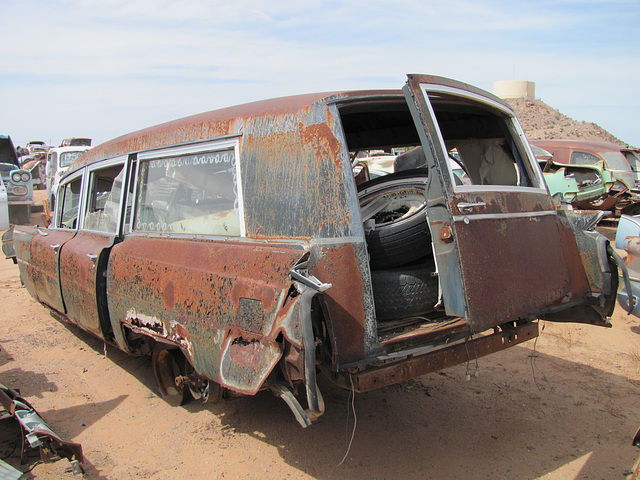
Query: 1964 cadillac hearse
[(249, 248)]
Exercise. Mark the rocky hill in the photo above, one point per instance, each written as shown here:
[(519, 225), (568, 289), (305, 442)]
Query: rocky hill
[(542, 122)]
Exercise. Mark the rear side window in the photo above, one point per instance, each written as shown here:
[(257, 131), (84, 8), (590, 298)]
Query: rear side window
[(69, 203), (584, 158), (191, 194), (67, 158), (104, 199), (482, 144)]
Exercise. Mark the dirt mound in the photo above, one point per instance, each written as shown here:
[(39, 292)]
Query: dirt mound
[(542, 122)]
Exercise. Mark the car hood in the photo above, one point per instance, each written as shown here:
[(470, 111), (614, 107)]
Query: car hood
[(7, 152)]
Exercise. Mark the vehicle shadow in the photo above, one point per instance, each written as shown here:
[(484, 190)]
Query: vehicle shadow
[(27, 383), (5, 357), (525, 416), (509, 428)]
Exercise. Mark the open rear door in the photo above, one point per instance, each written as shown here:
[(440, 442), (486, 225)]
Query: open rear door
[(501, 250)]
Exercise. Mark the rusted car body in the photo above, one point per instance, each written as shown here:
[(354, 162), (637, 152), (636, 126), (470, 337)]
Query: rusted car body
[(581, 186), (624, 196), (633, 157), (239, 249)]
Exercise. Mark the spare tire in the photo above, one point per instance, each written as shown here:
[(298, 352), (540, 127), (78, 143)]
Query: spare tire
[(394, 213), (404, 292)]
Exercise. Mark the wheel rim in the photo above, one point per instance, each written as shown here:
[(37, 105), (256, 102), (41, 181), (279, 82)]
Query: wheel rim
[(166, 369), (392, 206)]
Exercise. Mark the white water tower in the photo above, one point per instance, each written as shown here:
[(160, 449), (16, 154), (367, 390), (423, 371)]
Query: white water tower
[(515, 89)]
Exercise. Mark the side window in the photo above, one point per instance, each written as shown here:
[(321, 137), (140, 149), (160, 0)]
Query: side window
[(584, 158), (69, 203), (103, 207), (193, 194), (481, 143), (52, 161)]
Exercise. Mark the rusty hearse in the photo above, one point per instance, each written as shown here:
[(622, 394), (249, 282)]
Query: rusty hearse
[(249, 249)]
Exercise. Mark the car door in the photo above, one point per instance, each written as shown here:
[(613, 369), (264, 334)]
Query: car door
[(500, 251), (38, 249), (84, 258)]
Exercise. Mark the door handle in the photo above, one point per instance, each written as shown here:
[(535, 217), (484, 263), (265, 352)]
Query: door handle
[(56, 247), (92, 256), (465, 207), (44, 234)]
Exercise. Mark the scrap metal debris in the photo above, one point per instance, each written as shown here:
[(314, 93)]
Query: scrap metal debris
[(36, 433)]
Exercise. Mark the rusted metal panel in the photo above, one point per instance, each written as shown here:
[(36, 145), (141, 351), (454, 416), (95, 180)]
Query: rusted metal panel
[(245, 364), (414, 366), (45, 250), (22, 238), (194, 293), (502, 202), (511, 268), (217, 123), (346, 301), (294, 179), (79, 275)]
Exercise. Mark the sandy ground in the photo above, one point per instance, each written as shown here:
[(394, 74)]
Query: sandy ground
[(563, 407)]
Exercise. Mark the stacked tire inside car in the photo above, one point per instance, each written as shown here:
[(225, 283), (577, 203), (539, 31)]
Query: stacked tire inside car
[(399, 244)]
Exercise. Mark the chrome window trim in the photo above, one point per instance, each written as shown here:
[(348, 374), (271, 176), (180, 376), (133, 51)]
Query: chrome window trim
[(427, 88), (224, 143)]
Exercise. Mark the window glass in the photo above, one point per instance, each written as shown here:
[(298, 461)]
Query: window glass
[(584, 158), (482, 143), (633, 160), (104, 199), (52, 161), (129, 198), (67, 158), (193, 194), (69, 204), (615, 161)]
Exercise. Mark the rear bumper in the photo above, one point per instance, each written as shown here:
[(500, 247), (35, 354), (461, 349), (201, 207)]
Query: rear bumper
[(373, 377)]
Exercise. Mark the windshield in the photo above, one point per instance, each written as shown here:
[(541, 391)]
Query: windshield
[(615, 161), (67, 158)]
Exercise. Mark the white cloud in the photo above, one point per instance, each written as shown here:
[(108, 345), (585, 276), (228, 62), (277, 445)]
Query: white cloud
[(113, 66)]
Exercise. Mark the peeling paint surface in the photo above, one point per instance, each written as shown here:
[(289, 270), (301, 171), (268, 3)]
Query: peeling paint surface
[(195, 292)]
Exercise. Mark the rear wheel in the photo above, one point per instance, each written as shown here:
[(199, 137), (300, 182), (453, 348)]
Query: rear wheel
[(168, 365), (207, 391)]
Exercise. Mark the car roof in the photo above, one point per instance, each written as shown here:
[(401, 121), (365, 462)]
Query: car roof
[(584, 145), (235, 120)]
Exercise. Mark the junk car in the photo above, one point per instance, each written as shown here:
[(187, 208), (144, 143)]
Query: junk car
[(584, 187), (58, 162), (633, 157), (76, 142), (624, 196), (245, 250), (17, 181)]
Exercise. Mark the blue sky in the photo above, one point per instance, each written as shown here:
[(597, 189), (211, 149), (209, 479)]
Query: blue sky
[(103, 68)]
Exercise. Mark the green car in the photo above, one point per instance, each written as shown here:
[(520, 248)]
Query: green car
[(584, 187)]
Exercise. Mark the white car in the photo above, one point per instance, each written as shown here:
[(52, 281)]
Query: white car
[(58, 161)]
